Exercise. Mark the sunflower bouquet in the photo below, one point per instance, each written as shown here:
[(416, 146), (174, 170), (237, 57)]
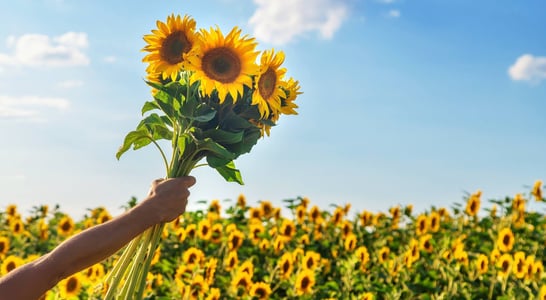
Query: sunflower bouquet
[(213, 101)]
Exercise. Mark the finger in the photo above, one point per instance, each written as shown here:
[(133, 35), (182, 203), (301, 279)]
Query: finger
[(157, 181), (188, 180)]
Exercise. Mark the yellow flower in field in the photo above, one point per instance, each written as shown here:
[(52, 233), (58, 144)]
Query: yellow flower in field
[(298, 254), (301, 212), (447, 255), (286, 265), (225, 64), (210, 270), (337, 216), (518, 203), (10, 263), (66, 226), (537, 190), (168, 44), (366, 218), (157, 255), (16, 226), (304, 240), (395, 212), (314, 214), (191, 231), (256, 230), (193, 256), (530, 268), (4, 245), (425, 243), (462, 257), (383, 254), (473, 203), (311, 260), (269, 84), (493, 212), (241, 201), (482, 264), (182, 273), (71, 286), (414, 250), (408, 261), (235, 239), (363, 255), (43, 229), (542, 293), (215, 206), (214, 294), (11, 210), (367, 296), (277, 213), (519, 265), (180, 234), (494, 255), (350, 242), (231, 261), (288, 229), (264, 245), (292, 91), (505, 240), (260, 290), (434, 221), (204, 231), (504, 263), (216, 233), (198, 287), (266, 209), (104, 217), (518, 218), (346, 229), (242, 280), (247, 267), (255, 213), (421, 225), (305, 280)]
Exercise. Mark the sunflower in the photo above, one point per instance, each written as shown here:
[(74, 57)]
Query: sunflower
[(346, 229), (542, 293), (71, 286), (311, 260), (350, 242), (180, 234), (473, 204), (231, 261), (204, 230), (425, 243), (241, 201), (505, 240), (278, 244), (224, 64), (305, 280), (16, 226), (292, 91), (422, 225), (264, 245), (4, 245), (182, 273), (260, 290), (365, 218), (504, 263), (256, 230), (367, 296), (198, 287), (537, 190), (494, 255), (215, 206), (395, 212), (10, 263), (157, 255), (314, 214), (210, 270), (11, 210), (538, 269), (288, 229), (269, 83), (337, 217), (530, 267), (66, 226), (383, 254), (414, 250), (363, 255), (216, 233), (519, 266), (242, 280), (266, 209), (193, 257), (434, 221), (518, 203), (235, 239), (214, 294), (247, 267), (482, 264), (286, 265), (301, 212), (167, 45)]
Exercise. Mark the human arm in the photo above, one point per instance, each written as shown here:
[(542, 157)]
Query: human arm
[(167, 200)]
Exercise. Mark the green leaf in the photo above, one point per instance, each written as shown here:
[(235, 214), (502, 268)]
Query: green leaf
[(149, 105), (230, 174), (136, 137), (216, 162), (224, 137), (204, 117), (218, 150)]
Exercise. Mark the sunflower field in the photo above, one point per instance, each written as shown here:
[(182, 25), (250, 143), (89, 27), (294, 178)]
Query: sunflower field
[(300, 251)]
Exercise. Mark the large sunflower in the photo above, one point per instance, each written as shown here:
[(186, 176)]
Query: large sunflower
[(286, 265), (305, 280), (505, 240), (4, 245), (223, 63), (473, 204), (66, 226), (269, 85), (260, 290), (10, 263), (482, 264), (167, 45), (71, 286)]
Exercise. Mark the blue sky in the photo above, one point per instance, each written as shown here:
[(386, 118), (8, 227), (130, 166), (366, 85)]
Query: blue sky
[(404, 101)]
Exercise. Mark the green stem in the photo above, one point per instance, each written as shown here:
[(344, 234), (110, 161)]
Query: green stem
[(129, 286), (160, 151), (119, 272), (155, 237)]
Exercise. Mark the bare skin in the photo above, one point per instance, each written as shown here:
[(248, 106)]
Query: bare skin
[(165, 202)]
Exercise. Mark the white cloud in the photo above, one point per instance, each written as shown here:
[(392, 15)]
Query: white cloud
[(278, 22), (528, 68), (68, 84), (41, 50), (394, 13), (110, 59), (29, 107)]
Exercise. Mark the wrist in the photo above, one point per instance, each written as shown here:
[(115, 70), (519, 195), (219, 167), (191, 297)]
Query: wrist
[(146, 214)]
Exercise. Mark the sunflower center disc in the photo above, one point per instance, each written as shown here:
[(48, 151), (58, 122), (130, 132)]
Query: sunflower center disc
[(222, 64), (71, 284), (266, 85), (174, 46)]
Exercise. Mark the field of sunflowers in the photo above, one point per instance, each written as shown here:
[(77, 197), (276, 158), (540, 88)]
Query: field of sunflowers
[(477, 249)]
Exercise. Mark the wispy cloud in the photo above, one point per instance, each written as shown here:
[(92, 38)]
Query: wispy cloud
[(30, 107), (41, 50), (528, 68), (279, 22), (394, 13), (69, 84)]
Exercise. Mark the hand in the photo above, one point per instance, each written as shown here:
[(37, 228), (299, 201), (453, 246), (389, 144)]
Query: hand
[(168, 197)]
